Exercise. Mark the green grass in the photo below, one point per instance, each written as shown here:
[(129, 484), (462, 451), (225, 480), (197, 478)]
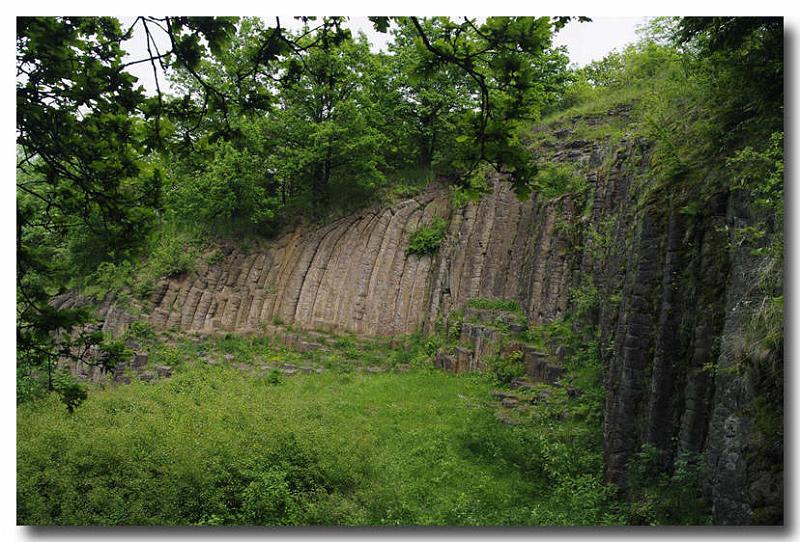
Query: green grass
[(235, 444), (214, 445)]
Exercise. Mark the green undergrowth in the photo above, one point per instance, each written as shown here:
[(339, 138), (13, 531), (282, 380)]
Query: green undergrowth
[(229, 444), (338, 352), (217, 446)]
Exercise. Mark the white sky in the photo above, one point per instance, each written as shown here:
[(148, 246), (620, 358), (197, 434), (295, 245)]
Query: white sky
[(584, 41)]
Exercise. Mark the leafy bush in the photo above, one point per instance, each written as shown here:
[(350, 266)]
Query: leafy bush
[(231, 192), (555, 180), (141, 330), (661, 496), (109, 277), (267, 500), (112, 352), (71, 392), (173, 249), (318, 449), (427, 238), (455, 322), (471, 190), (507, 368)]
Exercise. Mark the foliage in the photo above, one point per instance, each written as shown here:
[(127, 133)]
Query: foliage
[(321, 449), (427, 238), (556, 180), (585, 301), (231, 191), (471, 190), (667, 498), (761, 173), (71, 392), (507, 368), (171, 251), (112, 352), (82, 192)]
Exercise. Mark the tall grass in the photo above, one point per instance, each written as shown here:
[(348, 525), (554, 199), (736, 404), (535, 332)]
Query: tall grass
[(215, 446)]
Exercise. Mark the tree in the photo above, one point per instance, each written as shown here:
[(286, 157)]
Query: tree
[(84, 193), (510, 62), (323, 115), (78, 173), (433, 98)]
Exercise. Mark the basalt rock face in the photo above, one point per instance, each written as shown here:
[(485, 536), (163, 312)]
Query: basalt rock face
[(354, 274), (351, 275), (673, 300)]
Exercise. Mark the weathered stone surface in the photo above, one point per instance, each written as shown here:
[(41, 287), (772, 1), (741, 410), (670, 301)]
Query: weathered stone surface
[(500, 395), (147, 376), (505, 419), (139, 360), (522, 383), (164, 371), (509, 402), (538, 367), (444, 361), (354, 275)]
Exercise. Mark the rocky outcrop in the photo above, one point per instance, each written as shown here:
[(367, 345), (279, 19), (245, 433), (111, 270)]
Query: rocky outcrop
[(354, 274)]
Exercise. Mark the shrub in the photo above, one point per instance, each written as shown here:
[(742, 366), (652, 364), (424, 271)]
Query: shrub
[(141, 330), (172, 251), (507, 368), (109, 277), (112, 352), (274, 377), (72, 393), (472, 189), (267, 500), (556, 180), (661, 496), (426, 239), (232, 193)]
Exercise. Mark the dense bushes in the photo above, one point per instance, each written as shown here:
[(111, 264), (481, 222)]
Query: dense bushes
[(233, 191), (667, 498), (212, 446), (555, 180)]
